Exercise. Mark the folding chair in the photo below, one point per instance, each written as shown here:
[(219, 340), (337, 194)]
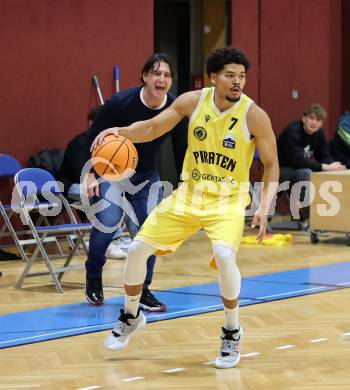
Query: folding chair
[(30, 183), (9, 166)]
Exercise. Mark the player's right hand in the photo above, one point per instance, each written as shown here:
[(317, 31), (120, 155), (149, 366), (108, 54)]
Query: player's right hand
[(99, 139), (334, 166), (90, 185), (260, 220)]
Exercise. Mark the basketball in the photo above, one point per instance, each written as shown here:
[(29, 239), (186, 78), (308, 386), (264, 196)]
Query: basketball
[(115, 159)]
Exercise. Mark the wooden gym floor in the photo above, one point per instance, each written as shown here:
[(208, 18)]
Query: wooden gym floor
[(295, 343)]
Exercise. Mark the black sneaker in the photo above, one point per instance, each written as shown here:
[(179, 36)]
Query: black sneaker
[(94, 290), (4, 256), (149, 302)]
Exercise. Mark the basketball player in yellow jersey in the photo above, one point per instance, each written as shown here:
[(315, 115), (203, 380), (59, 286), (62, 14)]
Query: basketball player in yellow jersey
[(225, 126)]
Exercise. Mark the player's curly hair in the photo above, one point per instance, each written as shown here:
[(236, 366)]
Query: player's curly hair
[(218, 58)]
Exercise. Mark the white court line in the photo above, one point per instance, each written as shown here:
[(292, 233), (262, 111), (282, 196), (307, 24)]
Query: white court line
[(194, 309), (174, 370), (208, 363), (18, 386), (89, 388), (318, 340), (54, 333), (135, 378), (346, 334), (288, 346), (293, 292), (250, 354), (185, 311), (246, 300)]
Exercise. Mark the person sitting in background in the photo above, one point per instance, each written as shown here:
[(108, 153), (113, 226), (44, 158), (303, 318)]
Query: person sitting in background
[(73, 162), (303, 148), (340, 144), (4, 256)]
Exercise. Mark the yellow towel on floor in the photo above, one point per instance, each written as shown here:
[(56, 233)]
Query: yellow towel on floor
[(270, 239)]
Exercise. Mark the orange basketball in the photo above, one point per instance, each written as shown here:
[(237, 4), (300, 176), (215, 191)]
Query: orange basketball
[(115, 159)]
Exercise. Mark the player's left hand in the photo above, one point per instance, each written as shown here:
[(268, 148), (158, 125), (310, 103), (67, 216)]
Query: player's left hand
[(260, 219)]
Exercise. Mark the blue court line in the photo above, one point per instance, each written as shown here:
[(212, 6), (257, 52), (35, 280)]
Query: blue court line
[(332, 275), (69, 320)]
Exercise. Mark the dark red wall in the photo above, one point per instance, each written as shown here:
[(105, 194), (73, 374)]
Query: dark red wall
[(345, 55), (293, 44), (49, 51), (245, 35)]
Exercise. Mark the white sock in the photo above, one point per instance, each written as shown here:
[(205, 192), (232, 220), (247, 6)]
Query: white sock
[(132, 303), (231, 318)]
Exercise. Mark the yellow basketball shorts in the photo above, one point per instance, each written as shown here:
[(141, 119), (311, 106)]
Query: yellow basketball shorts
[(183, 213)]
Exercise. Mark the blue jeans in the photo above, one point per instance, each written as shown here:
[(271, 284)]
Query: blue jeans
[(74, 194), (142, 202), (294, 176)]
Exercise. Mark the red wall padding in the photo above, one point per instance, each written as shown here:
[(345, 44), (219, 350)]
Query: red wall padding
[(245, 35), (345, 13), (49, 51), (292, 44)]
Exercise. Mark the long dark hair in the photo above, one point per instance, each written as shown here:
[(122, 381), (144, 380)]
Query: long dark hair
[(153, 63)]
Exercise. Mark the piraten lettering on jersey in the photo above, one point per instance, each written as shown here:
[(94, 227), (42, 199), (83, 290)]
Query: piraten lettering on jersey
[(218, 159)]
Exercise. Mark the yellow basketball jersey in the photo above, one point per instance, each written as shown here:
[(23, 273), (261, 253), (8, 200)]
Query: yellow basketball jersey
[(220, 149)]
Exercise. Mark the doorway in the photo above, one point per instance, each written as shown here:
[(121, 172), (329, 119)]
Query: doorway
[(187, 30)]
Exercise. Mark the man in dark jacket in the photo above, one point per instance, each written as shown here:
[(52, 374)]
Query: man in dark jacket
[(75, 157), (303, 148), (340, 144), (134, 104)]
